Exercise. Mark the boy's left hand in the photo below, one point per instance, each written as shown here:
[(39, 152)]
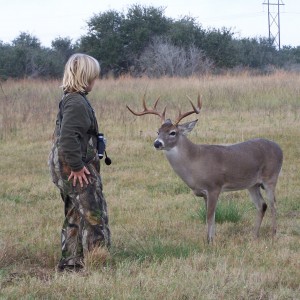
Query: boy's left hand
[(80, 175)]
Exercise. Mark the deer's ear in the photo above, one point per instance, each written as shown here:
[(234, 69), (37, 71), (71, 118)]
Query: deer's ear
[(187, 127)]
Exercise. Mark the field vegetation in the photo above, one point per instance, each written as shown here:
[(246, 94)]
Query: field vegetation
[(159, 248)]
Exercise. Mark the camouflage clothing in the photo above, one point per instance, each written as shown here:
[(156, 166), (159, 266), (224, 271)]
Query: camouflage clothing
[(86, 219)]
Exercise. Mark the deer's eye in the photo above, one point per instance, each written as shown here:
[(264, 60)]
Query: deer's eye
[(172, 133)]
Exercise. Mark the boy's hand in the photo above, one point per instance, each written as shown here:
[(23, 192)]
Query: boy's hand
[(80, 175)]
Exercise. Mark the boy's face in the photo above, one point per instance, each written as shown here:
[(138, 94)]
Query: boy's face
[(90, 86)]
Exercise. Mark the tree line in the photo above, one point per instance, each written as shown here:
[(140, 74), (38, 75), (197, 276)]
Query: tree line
[(144, 41)]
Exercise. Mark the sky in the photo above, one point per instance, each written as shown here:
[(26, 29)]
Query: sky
[(50, 19)]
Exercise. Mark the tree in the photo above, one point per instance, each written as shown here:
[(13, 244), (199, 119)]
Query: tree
[(255, 53), (25, 40), (25, 55), (144, 40), (26, 58), (63, 47), (140, 26), (6, 63), (162, 58), (219, 46), (104, 40), (186, 32), (117, 40)]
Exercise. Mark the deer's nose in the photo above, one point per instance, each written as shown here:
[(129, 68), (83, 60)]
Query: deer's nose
[(158, 144)]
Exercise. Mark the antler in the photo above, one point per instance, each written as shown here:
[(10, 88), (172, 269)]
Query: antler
[(150, 111), (195, 110)]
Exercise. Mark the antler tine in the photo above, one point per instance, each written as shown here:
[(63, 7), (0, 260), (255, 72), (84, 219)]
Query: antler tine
[(195, 110), (199, 101), (149, 111), (163, 115), (133, 112), (144, 103), (155, 103)]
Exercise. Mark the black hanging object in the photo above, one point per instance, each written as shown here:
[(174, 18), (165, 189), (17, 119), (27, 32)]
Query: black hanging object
[(107, 159)]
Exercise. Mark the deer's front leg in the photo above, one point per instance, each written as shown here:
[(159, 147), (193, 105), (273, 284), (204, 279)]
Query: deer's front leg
[(211, 200)]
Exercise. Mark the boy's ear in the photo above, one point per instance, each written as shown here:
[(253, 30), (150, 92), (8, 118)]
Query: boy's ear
[(187, 127)]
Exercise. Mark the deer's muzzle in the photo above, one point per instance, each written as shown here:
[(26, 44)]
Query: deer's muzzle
[(158, 144)]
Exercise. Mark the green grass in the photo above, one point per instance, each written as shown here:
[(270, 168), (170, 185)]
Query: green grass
[(159, 248), (154, 250), (227, 211)]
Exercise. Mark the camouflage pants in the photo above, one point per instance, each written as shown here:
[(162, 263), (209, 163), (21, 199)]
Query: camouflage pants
[(86, 219)]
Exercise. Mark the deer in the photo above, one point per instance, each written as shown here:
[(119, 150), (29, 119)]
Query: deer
[(209, 170)]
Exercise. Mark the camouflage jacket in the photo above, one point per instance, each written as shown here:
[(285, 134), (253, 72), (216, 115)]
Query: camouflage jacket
[(76, 129)]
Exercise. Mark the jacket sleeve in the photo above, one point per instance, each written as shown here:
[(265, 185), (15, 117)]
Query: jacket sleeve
[(75, 124)]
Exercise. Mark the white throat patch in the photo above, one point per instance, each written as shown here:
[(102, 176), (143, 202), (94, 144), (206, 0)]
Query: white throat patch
[(173, 151)]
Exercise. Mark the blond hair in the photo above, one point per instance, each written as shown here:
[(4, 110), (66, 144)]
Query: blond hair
[(80, 71)]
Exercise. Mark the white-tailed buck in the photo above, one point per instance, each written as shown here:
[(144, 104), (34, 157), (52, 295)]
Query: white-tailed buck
[(211, 169)]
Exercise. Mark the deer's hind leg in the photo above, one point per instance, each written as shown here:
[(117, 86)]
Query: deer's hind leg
[(260, 205)]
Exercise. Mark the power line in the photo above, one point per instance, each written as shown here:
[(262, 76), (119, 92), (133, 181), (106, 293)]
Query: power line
[(274, 22)]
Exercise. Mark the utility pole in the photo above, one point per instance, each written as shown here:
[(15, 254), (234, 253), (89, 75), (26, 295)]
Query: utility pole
[(274, 21)]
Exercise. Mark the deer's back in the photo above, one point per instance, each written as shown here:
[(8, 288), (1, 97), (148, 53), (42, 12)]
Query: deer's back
[(260, 151), (240, 165)]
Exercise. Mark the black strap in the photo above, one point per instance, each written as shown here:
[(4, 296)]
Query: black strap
[(59, 115)]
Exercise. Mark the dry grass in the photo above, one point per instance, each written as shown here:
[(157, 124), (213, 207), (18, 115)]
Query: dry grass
[(159, 249)]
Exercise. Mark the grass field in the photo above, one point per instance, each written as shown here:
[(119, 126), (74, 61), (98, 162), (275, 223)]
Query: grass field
[(159, 248)]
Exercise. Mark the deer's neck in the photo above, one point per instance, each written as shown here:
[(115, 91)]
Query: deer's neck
[(181, 159), (183, 149)]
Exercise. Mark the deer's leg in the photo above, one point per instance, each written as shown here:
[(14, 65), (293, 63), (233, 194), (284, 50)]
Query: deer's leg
[(211, 203), (270, 190), (260, 205)]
